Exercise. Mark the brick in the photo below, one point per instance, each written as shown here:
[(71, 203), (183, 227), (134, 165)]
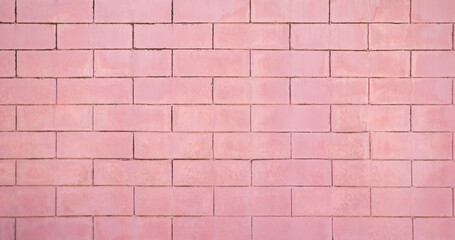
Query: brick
[(54, 228), (251, 90), (55, 63), (359, 118), (268, 228), (129, 11), (132, 118), (27, 201), (317, 201), (54, 172), (173, 36), (126, 63), (27, 91), (290, 172), (255, 201), (330, 145), (370, 11), (7, 173), (433, 118), (435, 11), (211, 11), (94, 201), (433, 173), (251, 145), (289, 63), (372, 173), (290, 118), (204, 172), (87, 36), (375, 64), (274, 36), (7, 225), (411, 201), (410, 36), (411, 91), (7, 14), (94, 145), (65, 11), (54, 118), (27, 145), (174, 201), (118, 172), (345, 228), (172, 90), (132, 228), (326, 36), (211, 63), (411, 146), (7, 64), (8, 116), (173, 145), (434, 228), (289, 11), (329, 90), (27, 36), (433, 64), (95, 91), (211, 118), (215, 228)]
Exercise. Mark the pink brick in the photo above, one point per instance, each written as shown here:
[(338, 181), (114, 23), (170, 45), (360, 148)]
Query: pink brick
[(7, 14), (125, 63), (433, 118), (252, 145), (411, 91), (270, 228), (411, 36), (118, 172), (174, 201), (359, 118), (93, 91), (211, 118), (290, 11), (206, 172), (8, 228), (372, 173), (95, 145), (27, 91), (348, 228), (411, 201), (211, 63), (54, 63), (86, 36), (375, 64), (255, 201), (329, 90), (274, 36), (290, 172), (330, 145), (8, 116), (132, 228), (370, 11), (27, 201), (290, 118), (54, 228), (214, 228), (411, 146), (132, 118), (55, 11), (7, 173), (331, 201), (27, 145), (54, 172), (433, 173), (54, 117), (289, 63), (434, 11), (7, 64), (211, 11), (172, 90), (94, 201), (434, 228), (27, 36), (126, 11), (173, 145), (173, 36), (251, 90), (326, 36), (433, 64)]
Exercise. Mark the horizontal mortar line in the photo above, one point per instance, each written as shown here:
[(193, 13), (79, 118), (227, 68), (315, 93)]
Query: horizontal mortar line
[(229, 104), (222, 132), (228, 77), (236, 22), (228, 186), (235, 49), (228, 216), (224, 159)]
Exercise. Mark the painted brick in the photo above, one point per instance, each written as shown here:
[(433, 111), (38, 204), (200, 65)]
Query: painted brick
[(433, 118), (435, 11), (89, 36), (211, 11), (132, 228), (7, 64), (54, 228), (27, 201), (194, 228), (433, 173), (289, 11), (27, 91), (8, 116), (27, 145), (137, 11), (372, 228), (434, 228), (8, 228), (7, 173), (268, 228), (433, 64), (54, 172), (370, 11), (65, 11), (7, 12), (252, 36), (27, 36)]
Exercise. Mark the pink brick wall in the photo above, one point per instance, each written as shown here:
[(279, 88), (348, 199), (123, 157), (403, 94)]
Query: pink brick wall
[(227, 119)]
